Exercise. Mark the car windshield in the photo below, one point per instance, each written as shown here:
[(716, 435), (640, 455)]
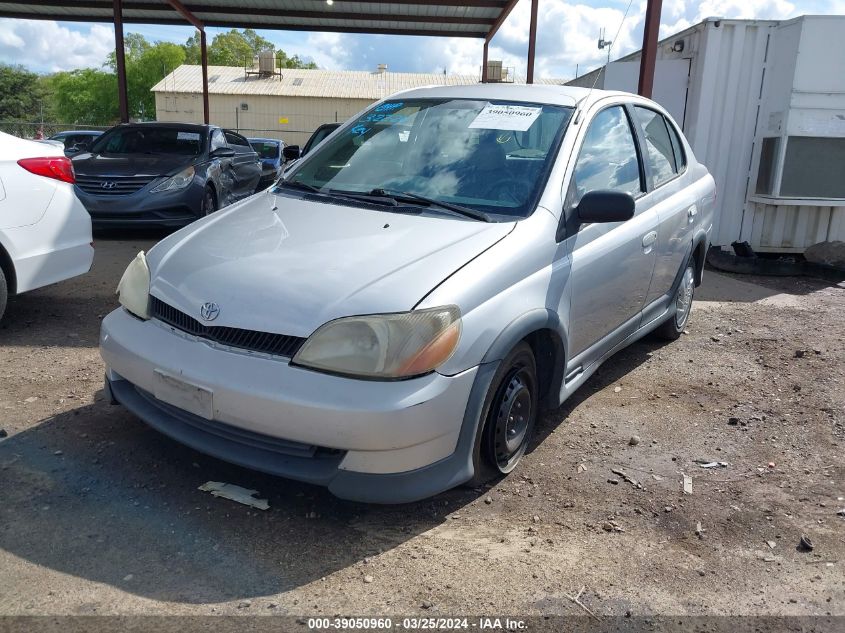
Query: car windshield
[(150, 140), (492, 156), (266, 149)]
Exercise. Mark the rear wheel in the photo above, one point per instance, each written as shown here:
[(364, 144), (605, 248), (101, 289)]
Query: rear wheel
[(4, 293), (673, 327), (509, 416), (209, 202)]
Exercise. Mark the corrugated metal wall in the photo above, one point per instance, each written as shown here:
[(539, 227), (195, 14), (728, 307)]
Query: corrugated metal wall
[(791, 228), (291, 119)]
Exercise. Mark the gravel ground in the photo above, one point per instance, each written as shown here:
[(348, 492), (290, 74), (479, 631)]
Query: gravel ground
[(101, 515)]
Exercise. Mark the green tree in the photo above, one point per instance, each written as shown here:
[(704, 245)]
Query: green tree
[(235, 47), (20, 93), (146, 65), (83, 97)]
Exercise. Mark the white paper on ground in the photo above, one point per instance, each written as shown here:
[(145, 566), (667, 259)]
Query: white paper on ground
[(506, 117)]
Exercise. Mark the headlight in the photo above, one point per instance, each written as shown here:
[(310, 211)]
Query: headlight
[(384, 345), (133, 289), (174, 183)]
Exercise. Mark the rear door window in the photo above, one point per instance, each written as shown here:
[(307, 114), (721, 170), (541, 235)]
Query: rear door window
[(237, 141), (608, 157), (660, 150)]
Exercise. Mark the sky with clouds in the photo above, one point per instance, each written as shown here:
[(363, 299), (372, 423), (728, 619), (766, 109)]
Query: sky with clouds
[(567, 35)]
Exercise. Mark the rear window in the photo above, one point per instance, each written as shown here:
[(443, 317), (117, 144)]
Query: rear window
[(266, 149), (150, 140)]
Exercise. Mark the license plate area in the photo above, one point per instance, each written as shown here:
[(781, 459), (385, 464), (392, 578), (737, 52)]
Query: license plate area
[(184, 395)]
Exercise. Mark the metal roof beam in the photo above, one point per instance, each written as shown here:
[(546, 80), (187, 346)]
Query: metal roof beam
[(273, 26), (206, 8), (501, 19), (185, 13)]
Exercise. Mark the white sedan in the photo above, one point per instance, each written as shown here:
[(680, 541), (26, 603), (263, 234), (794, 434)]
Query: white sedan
[(45, 232)]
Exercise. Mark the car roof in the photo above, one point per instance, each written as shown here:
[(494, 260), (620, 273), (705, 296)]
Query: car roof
[(198, 127), (69, 132), (263, 140), (548, 94)]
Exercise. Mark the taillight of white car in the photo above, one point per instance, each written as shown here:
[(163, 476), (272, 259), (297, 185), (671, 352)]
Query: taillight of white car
[(58, 167)]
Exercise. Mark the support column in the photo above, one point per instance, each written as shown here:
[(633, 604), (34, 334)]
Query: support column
[(649, 54), (204, 57), (120, 61), (484, 63), (532, 42)]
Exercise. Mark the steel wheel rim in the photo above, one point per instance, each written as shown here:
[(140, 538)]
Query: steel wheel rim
[(513, 411), (683, 302)]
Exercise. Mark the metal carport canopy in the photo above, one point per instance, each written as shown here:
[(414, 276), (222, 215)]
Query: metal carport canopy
[(445, 18), (449, 18)]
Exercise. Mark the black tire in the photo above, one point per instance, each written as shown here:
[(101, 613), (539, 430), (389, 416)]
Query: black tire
[(4, 293), (672, 328), (506, 427), (209, 202)]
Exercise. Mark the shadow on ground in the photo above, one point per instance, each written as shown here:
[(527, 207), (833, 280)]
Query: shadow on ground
[(119, 505), (95, 493)]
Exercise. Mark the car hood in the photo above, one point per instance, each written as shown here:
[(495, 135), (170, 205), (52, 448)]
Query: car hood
[(281, 264), (88, 164)]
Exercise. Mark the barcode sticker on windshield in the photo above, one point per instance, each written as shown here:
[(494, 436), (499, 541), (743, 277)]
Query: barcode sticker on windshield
[(506, 117), (187, 136)]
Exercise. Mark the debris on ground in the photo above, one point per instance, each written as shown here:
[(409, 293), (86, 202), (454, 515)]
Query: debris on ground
[(704, 464), (626, 477), (368, 579), (581, 468), (635, 439), (841, 512), (771, 544), (3, 433), (805, 544), (687, 485), (617, 389), (699, 531), (577, 600), (235, 493)]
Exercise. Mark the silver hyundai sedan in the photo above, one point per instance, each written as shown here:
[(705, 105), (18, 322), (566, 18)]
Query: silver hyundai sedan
[(389, 319)]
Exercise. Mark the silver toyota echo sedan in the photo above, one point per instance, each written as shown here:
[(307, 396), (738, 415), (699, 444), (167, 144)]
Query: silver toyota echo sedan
[(389, 319)]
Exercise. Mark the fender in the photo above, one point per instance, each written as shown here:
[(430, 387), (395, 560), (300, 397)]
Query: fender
[(550, 362)]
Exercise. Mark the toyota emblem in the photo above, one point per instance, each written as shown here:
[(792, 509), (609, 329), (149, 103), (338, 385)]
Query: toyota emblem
[(209, 311)]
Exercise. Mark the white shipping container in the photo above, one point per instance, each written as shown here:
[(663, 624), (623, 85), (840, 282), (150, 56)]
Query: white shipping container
[(759, 89)]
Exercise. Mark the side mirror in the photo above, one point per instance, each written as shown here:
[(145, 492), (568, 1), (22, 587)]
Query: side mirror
[(291, 152), (223, 152), (605, 206)]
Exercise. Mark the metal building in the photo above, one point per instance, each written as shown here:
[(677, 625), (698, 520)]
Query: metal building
[(763, 104), (289, 107)]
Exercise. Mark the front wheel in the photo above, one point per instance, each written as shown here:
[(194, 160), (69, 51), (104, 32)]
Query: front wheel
[(209, 202), (673, 327), (509, 416)]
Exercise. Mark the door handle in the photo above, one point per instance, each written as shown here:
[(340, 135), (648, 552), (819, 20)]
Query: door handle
[(649, 239), (691, 213)]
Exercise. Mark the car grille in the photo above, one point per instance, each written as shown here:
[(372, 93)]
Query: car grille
[(265, 342), (112, 185)]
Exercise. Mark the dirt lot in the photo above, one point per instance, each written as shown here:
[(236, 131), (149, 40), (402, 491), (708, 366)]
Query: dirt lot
[(101, 515)]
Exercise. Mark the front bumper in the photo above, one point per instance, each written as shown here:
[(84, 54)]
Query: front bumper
[(143, 208), (384, 442)]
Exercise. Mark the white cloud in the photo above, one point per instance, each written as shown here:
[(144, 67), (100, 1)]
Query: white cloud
[(567, 35), (48, 46)]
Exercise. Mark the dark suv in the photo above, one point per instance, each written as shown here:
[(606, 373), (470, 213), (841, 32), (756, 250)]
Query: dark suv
[(166, 174)]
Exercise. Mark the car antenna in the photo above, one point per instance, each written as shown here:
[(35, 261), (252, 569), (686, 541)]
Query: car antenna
[(609, 45)]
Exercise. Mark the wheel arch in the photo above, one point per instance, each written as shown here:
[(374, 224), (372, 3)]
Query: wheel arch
[(8, 268), (545, 334)]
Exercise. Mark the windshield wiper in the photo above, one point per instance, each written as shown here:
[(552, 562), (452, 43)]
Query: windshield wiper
[(409, 197), (294, 184)]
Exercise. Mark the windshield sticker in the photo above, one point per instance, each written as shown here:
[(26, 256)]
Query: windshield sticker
[(359, 129), (506, 117), (187, 136), (388, 107)]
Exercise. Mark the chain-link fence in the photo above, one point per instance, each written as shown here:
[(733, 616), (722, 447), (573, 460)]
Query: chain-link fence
[(23, 129)]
